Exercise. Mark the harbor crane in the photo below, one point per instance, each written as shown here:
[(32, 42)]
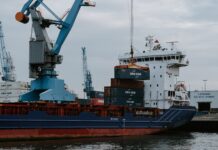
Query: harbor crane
[(87, 75), (8, 68), (44, 55)]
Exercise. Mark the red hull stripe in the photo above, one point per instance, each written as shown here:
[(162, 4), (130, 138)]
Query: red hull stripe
[(61, 133)]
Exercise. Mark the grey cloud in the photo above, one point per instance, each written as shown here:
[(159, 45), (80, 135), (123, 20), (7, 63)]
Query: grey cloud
[(105, 32)]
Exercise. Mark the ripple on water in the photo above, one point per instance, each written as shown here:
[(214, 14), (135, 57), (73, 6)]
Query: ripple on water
[(166, 141)]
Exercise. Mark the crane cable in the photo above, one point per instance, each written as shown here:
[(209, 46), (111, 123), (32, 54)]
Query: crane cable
[(131, 30)]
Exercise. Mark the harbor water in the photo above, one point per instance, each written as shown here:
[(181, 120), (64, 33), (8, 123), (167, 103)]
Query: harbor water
[(166, 141)]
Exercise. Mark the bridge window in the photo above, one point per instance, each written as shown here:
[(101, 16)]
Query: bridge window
[(158, 58), (146, 59), (169, 93), (139, 60)]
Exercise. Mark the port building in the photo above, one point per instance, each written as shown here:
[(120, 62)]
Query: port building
[(205, 100)]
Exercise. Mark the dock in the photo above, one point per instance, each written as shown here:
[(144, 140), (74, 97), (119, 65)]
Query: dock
[(203, 123)]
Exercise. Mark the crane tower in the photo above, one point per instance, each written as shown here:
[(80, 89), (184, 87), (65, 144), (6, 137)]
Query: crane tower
[(44, 55), (87, 75), (6, 60)]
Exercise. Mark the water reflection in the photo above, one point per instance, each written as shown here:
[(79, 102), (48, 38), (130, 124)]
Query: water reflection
[(169, 141)]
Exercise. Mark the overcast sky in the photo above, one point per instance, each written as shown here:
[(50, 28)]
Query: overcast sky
[(104, 30)]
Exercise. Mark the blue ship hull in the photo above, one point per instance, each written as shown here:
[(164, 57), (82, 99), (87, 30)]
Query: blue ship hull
[(35, 120)]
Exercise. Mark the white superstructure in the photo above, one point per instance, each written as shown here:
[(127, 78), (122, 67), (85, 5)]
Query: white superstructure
[(162, 90)]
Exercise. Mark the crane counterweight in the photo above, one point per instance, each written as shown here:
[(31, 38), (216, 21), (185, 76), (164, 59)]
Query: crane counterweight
[(20, 17)]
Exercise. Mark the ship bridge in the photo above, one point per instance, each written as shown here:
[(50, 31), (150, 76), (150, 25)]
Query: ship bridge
[(173, 58), (164, 64)]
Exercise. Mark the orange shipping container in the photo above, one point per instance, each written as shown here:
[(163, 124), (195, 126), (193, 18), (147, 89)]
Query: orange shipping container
[(126, 83), (107, 91)]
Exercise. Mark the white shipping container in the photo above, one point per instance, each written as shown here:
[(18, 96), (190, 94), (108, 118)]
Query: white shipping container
[(14, 85), (11, 95), (9, 99), (4, 93)]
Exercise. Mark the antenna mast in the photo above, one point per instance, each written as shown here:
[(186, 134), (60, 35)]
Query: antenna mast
[(173, 44), (149, 41)]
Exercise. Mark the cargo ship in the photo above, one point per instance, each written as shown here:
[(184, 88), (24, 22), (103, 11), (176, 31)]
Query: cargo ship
[(122, 113)]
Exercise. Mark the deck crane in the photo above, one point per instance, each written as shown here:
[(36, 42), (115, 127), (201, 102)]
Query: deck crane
[(6, 60), (87, 75), (44, 55)]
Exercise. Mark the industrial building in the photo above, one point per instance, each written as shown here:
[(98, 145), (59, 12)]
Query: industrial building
[(204, 100)]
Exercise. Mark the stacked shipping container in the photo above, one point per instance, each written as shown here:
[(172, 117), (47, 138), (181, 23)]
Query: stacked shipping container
[(131, 73), (10, 91), (126, 88)]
